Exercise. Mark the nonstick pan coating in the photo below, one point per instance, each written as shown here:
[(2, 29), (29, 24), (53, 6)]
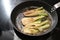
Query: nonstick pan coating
[(17, 11)]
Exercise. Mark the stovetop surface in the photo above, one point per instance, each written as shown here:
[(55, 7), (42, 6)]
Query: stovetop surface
[(6, 28)]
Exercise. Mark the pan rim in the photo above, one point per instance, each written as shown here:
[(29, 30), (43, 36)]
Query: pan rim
[(30, 1)]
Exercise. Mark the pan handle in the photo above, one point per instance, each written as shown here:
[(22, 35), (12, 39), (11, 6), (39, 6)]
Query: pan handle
[(55, 6)]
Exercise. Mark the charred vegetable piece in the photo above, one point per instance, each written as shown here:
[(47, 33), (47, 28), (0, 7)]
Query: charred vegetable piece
[(40, 8), (38, 17), (30, 31), (38, 24), (27, 20), (42, 28), (35, 12), (29, 13)]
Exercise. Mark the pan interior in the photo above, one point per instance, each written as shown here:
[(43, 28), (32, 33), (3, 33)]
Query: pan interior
[(20, 16)]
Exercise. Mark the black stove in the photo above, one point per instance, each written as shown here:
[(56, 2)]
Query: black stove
[(7, 32)]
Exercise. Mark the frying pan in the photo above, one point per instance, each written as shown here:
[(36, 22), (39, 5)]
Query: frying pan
[(17, 14)]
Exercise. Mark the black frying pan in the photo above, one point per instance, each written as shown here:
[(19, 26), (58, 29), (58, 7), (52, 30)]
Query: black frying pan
[(18, 9)]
